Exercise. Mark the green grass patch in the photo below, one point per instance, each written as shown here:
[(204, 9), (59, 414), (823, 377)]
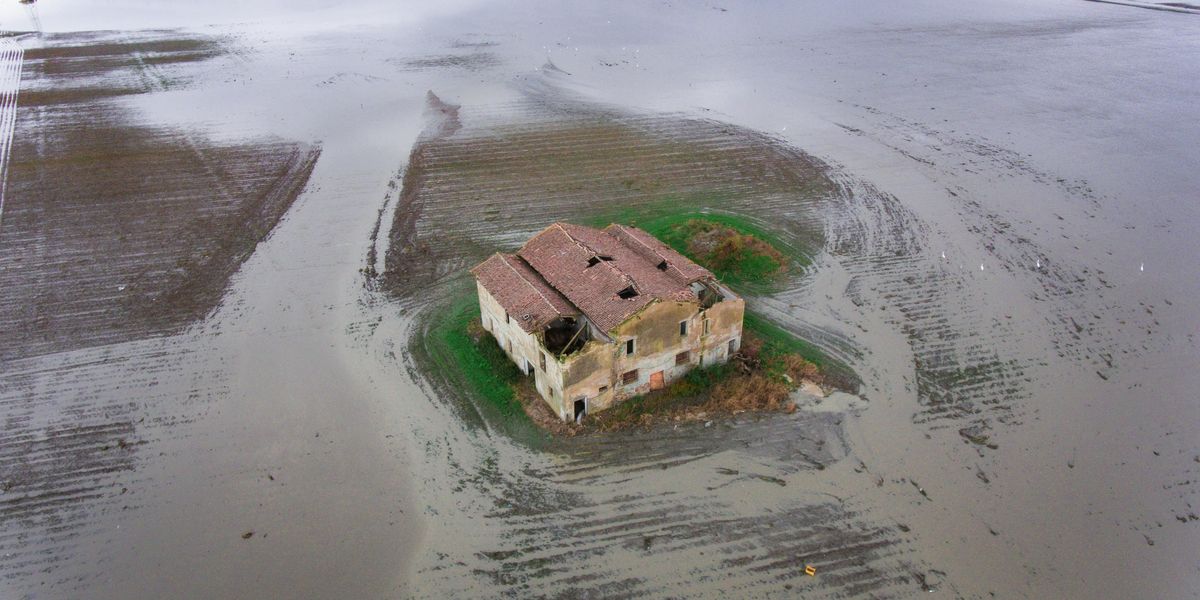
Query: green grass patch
[(472, 361), (778, 341)]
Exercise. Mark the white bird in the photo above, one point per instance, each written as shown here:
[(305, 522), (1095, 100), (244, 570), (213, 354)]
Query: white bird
[(943, 255), (1142, 267), (1039, 263), (980, 266)]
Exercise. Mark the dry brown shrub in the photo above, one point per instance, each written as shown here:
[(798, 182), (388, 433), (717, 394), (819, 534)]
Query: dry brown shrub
[(751, 392), (798, 368)]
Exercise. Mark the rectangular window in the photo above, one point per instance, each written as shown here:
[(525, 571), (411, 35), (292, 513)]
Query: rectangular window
[(628, 347), (732, 346), (543, 360), (683, 358), (707, 326), (629, 377), (683, 328), (603, 388), (507, 320)]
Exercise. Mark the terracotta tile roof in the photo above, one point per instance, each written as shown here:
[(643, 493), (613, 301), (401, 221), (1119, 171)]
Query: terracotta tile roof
[(594, 269), (522, 292), (656, 251)]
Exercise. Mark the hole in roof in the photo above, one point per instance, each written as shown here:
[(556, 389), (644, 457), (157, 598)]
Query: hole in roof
[(627, 293), (595, 260), (662, 266)]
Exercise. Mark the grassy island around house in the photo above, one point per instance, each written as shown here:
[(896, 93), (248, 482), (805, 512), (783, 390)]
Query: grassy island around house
[(769, 365)]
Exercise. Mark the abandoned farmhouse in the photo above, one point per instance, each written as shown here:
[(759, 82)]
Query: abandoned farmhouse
[(597, 316)]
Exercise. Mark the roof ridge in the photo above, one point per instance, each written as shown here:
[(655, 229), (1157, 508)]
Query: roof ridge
[(628, 279)]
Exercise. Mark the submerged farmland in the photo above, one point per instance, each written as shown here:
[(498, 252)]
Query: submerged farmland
[(230, 254)]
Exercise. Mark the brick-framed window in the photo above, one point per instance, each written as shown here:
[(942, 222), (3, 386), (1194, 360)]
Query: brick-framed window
[(629, 377), (683, 358)]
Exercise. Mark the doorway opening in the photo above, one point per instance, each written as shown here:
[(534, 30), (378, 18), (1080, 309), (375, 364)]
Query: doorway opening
[(580, 409)]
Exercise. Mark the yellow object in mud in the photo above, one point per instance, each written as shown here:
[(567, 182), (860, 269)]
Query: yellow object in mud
[(810, 570)]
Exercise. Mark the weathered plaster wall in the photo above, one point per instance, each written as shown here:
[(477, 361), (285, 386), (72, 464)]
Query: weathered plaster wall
[(521, 347), (725, 326), (657, 341)]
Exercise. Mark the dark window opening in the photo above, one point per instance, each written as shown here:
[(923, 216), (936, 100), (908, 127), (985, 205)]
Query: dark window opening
[(683, 358), (628, 347), (683, 328), (542, 360), (603, 388), (629, 377), (662, 266), (732, 347), (597, 259), (627, 293), (507, 319), (707, 326)]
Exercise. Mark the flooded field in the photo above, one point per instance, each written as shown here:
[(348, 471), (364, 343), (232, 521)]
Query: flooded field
[(220, 246)]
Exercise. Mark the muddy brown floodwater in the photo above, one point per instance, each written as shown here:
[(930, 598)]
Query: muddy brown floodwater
[(225, 228)]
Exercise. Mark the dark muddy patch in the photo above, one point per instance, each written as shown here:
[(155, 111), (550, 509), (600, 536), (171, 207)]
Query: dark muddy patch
[(474, 61), (86, 67), (115, 230)]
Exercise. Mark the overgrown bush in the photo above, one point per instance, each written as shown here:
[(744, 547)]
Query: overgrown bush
[(724, 249)]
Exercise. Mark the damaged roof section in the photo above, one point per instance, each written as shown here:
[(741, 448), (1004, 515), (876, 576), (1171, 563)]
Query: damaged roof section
[(522, 292), (606, 275)]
